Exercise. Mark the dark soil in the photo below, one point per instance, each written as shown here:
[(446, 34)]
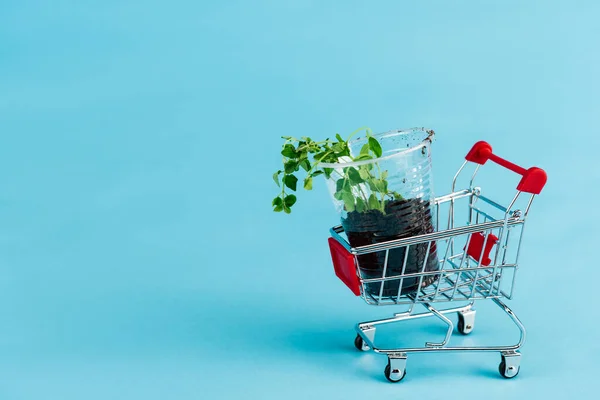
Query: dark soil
[(403, 218)]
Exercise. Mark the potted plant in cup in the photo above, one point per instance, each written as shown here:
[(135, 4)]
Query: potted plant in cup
[(381, 184)]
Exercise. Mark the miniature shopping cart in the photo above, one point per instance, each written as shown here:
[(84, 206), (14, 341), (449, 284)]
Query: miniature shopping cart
[(477, 260)]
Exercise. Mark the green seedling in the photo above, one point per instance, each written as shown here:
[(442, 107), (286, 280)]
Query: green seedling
[(361, 188)]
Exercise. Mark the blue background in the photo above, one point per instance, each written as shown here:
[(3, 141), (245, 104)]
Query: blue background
[(140, 258)]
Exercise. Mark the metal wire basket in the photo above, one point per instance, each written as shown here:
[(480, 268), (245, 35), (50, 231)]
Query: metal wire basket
[(478, 260)]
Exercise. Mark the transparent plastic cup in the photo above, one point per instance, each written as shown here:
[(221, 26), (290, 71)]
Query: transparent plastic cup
[(388, 198)]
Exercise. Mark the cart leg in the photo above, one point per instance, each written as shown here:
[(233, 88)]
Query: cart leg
[(510, 365), (395, 370), (446, 320), (369, 333), (516, 320), (466, 321)]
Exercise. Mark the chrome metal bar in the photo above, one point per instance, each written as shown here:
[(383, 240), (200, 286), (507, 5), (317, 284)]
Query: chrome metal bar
[(452, 201), (472, 201), (492, 203), (451, 225), (485, 239), (404, 316), (435, 236), (516, 320), (483, 213), (446, 320), (472, 282), (466, 283), (502, 241), (423, 270), (385, 264), (402, 272), (504, 294), (512, 285), (439, 282), (512, 203), (462, 260), (474, 175), (498, 302), (529, 205), (457, 174), (418, 274), (504, 251), (454, 195), (445, 259), (407, 312), (359, 274), (502, 273)]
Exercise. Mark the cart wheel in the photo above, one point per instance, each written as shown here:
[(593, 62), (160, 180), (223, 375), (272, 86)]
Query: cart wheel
[(360, 344), (512, 370), (461, 324), (393, 377), (466, 322)]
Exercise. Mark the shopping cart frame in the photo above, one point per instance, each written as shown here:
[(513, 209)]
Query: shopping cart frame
[(466, 272)]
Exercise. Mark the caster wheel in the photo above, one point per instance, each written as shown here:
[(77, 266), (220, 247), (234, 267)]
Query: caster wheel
[(512, 370), (461, 325), (360, 344), (394, 377), (466, 322)]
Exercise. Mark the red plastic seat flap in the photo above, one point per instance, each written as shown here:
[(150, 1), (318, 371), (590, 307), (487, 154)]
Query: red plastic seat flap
[(344, 266), (476, 247)]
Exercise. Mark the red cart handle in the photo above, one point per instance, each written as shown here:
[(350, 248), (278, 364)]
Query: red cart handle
[(533, 180)]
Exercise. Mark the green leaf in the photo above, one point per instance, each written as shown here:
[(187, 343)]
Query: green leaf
[(308, 183), (286, 209), (290, 200), (338, 137), (362, 157), (320, 155), (290, 166), (289, 151), (328, 172), (384, 174), (360, 205), (338, 148), (338, 195), (316, 173), (365, 149), (348, 201), (302, 155), (354, 176), (290, 181), (375, 146), (342, 185), (276, 177), (373, 202), (278, 204), (363, 171), (378, 185), (305, 164)]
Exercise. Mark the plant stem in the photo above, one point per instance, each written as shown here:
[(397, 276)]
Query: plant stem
[(318, 162), (364, 128)]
